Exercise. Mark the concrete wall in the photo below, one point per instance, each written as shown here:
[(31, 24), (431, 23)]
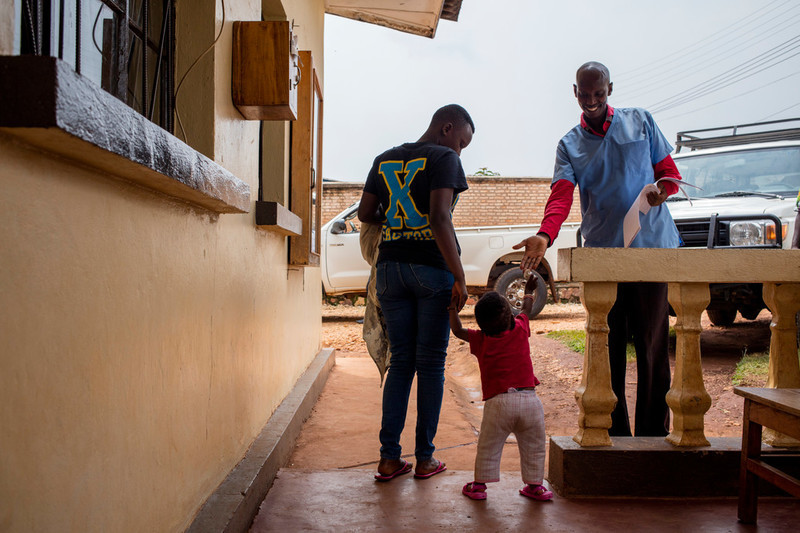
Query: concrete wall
[(490, 201), (145, 342)]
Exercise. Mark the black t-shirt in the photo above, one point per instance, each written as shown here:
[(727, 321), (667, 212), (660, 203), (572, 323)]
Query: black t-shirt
[(402, 178)]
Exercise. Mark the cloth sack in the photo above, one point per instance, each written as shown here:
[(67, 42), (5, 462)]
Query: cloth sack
[(374, 330)]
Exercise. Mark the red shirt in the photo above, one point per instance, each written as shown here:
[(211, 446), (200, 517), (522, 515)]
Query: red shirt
[(505, 359), (559, 203)]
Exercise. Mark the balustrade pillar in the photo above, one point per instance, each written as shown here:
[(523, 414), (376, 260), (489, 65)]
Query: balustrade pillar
[(783, 299), (595, 397), (687, 396)]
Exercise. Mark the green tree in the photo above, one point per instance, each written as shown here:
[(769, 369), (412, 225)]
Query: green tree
[(483, 171)]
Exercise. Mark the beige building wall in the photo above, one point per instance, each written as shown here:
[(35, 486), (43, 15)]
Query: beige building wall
[(145, 342)]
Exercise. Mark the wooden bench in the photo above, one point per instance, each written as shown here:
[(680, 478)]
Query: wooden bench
[(778, 409)]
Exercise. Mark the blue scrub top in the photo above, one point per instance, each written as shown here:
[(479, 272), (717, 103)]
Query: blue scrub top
[(610, 172)]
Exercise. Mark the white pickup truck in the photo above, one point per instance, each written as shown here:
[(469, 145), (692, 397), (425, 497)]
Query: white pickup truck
[(750, 177), (486, 254)]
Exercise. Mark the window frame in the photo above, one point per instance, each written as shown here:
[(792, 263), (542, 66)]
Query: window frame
[(43, 33), (306, 165), (47, 104)]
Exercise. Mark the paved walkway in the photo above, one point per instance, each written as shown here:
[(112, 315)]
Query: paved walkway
[(328, 483), (310, 500)]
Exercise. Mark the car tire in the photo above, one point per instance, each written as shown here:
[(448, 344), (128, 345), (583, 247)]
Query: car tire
[(511, 284), (722, 316)]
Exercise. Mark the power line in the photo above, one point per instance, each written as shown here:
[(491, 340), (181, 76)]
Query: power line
[(660, 63), (718, 102), (738, 73), (724, 86), (738, 70), (781, 111), (670, 74)]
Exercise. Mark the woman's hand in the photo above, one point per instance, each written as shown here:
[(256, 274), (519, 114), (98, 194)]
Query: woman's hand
[(459, 296)]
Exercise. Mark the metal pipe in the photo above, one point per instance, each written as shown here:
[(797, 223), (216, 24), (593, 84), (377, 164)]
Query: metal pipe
[(61, 29), (145, 49), (78, 36), (164, 18)]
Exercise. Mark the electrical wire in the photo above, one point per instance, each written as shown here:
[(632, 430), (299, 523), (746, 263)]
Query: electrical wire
[(746, 66), (717, 102), (781, 111), (94, 30), (180, 83), (705, 60), (679, 55), (738, 36), (738, 73), (724, 86)]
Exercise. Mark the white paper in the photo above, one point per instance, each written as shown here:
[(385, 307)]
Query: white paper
[(631, 225)]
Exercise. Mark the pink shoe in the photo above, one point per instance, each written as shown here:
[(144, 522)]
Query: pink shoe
[(538, 492), (474, 493)]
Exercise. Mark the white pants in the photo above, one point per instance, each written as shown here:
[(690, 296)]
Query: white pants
[(518, 412)]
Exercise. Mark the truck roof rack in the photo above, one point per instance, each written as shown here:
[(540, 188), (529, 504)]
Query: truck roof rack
[(731, 136)]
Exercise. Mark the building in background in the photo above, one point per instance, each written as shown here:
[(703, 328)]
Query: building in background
[(490, 201)]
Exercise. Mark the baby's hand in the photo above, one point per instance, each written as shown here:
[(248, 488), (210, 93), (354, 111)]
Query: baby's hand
[(530, 286)]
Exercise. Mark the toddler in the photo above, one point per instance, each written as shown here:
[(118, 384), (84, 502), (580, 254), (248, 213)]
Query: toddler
[(508, 386)]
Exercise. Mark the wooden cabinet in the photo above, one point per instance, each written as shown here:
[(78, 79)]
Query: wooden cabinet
[(265, 74)]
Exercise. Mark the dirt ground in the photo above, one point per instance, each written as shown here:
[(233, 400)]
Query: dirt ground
[(559, 368)]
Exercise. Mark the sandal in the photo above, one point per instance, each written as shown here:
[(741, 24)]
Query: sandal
[(474, 493), (439, 469), (538, 492), (405, 468)]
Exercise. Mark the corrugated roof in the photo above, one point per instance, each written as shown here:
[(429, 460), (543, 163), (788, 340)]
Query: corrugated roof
[(451, 9)]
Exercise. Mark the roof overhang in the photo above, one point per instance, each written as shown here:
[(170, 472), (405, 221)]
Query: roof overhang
[(420, 17)]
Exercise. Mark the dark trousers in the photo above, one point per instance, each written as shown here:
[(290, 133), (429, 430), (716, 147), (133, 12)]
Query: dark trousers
[(641, 311), (414, 300)]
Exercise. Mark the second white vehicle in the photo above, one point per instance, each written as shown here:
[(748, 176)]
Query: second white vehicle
[(486, 254), (749, 182)]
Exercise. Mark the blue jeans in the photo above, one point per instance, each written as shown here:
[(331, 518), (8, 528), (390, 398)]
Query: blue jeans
[(414, 300)]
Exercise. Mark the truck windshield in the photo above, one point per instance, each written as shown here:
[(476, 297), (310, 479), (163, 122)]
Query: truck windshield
[(764, 172)]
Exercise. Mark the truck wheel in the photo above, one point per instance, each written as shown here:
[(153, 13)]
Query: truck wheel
[(722, 316), (511, 284)]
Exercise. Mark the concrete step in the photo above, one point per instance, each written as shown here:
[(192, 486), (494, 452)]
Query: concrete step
[(652, 467)]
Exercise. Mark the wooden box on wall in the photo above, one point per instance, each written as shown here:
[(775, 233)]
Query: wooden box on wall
[(264, 70)]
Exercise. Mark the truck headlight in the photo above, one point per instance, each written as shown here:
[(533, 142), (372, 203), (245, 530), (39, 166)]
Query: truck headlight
[(746, 233), (753, 233)]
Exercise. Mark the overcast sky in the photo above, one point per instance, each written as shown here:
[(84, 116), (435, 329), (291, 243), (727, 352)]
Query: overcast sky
[(693, 63)]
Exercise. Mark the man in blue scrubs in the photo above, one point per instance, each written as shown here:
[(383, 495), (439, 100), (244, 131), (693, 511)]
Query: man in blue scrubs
[(611, 156)]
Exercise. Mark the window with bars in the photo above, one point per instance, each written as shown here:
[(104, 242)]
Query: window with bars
[(126, 46)]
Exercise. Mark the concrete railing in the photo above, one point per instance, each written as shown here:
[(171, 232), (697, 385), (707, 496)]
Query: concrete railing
[(688, 273)]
